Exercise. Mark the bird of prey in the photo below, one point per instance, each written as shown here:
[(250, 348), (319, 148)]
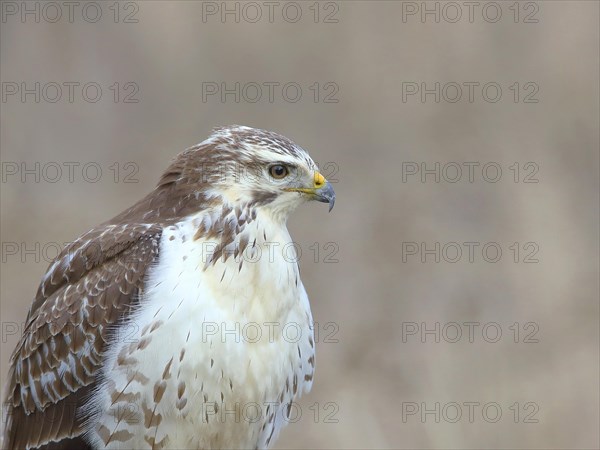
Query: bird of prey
[(163, 327)]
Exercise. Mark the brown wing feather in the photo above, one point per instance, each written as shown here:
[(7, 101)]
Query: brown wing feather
[(89, 287)]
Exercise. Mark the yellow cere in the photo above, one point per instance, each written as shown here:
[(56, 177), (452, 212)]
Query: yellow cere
[(319, 180)]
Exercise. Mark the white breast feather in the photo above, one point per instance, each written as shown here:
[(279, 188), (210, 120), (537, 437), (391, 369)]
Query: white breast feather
[(193, 343)]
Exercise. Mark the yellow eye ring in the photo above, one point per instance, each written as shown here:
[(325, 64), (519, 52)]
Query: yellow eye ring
[(278, 171)]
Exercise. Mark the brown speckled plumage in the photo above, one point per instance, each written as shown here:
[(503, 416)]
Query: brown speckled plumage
[(98, 280)]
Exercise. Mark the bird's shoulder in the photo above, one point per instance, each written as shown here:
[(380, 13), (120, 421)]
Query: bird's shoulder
[(92, 284)]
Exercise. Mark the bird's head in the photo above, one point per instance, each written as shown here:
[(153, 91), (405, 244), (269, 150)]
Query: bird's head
[(247, 166)]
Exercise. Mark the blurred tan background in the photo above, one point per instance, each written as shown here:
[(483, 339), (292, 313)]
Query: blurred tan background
[(374, 293)]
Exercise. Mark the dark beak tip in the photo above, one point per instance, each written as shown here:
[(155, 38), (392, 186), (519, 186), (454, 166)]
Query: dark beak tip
[(326, 195)]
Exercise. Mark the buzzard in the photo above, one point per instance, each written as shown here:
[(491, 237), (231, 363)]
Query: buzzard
[(163, 327)]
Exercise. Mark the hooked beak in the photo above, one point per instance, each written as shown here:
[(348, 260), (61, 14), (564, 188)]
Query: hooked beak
[(326, 194), (322, 191)]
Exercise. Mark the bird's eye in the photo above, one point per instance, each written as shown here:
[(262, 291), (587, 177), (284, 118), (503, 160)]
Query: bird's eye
[(278, 171)]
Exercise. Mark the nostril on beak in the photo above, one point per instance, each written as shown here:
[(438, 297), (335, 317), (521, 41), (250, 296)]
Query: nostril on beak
[(319, 180)]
